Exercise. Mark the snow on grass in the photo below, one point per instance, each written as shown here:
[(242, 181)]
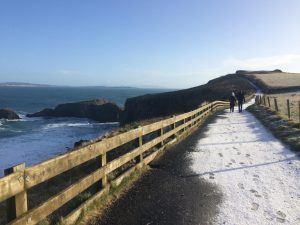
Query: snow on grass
[(258, 175)]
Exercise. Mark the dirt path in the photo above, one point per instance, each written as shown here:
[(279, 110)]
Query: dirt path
[(163, 196), (258, 176)]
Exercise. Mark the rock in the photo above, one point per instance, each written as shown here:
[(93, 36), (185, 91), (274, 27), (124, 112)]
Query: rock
[(81, 143), (8, 114), (99, 110)]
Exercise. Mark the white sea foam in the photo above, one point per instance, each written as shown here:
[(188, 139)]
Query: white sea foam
[(59, 125)]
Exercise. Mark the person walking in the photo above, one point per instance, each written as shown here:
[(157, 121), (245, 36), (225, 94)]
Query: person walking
[(241, 99), (232, 102)]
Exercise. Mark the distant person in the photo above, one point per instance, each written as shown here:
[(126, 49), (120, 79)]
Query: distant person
[(233, 93), (241, 99), (232, 102)]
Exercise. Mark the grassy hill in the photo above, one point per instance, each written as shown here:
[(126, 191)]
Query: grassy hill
[(170, 103), (273, 81)]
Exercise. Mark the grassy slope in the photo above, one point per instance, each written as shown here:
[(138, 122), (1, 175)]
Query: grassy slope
[(165, 104), (273, 81)]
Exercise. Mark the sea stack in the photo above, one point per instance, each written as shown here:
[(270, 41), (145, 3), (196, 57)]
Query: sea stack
[(99, 110), (8, 114)]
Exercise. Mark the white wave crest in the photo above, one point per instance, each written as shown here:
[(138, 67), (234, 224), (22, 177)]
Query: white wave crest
[(59, 125)]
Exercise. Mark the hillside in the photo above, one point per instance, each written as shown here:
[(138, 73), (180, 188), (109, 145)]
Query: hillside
[(273, 81), (175, 102)]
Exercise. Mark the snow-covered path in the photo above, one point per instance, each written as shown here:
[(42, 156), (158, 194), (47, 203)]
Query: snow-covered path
[(258, 175)]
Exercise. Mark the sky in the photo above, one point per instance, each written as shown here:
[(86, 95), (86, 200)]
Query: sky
[(145, 43)]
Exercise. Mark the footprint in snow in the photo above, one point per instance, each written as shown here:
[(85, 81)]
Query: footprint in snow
[(220, 154), (255, 206), (241, 186), (232, 160), (266, 196), (281, 214), (247, 155), (268, 215), (255, 175), (280, 220), (238, 153), (211, 176)]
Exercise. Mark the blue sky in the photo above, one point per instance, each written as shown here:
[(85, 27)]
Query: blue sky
[(161, 43)]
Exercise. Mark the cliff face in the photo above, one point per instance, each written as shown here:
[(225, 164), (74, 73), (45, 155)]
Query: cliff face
[(98, 110), (170, 103)]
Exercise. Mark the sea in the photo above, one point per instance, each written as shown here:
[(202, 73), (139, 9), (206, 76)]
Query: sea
[(32, 140)]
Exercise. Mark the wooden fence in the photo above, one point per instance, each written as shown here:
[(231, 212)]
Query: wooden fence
[(19, 179), (285, 107)]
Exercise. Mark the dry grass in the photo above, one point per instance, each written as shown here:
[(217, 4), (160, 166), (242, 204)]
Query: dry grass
[(276, 80), (294, 98)]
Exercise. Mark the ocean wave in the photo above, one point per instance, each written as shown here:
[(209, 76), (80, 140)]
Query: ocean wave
[(59, 125)]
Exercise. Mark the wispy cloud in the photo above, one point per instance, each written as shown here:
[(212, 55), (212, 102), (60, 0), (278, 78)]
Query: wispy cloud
[(69, 72), (262, 62)]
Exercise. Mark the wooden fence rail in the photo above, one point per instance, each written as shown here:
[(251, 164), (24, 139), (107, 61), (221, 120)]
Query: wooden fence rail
[(19, 179)]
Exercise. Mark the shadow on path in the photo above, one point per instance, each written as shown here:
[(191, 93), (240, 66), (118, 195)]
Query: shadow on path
[(241, 167), (163, 197)]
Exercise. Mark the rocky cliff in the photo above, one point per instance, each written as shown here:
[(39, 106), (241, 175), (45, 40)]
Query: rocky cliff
[(99, 110), (170, 103), (8, 114)]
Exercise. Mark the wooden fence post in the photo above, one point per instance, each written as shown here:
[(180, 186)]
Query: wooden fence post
[(288, 108), (264, 99), (17, 205), (299, 110), (103, 162), (141, 143), (260, 100), (161, 134), (174, 125), (269, 102), (276, 105)]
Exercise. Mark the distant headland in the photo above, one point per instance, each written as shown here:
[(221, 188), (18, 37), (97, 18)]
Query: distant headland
[(22, 84)]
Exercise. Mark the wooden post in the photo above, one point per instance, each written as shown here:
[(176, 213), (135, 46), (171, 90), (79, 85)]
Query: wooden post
[(184, 123), (264, 99), (288, 108), (269, 102), (17, 205), (276, 105), (299, 110), (103, 162), (260, 100), (174, 125), (161, 134), (140, 144)]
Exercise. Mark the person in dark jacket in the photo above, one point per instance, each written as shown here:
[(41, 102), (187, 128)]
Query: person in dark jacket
[(232, 102), (241, 99)]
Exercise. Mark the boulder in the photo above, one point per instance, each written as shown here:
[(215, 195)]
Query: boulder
[(8, 114), (99, 110)]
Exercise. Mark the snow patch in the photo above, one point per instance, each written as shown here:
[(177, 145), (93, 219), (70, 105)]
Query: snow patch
[(258, 175)]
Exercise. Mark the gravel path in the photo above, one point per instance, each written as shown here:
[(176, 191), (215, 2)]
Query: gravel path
[(258, 176)]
